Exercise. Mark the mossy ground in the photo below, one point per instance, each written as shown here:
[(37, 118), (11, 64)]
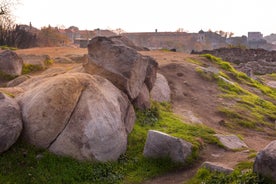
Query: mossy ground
[(247, 108)]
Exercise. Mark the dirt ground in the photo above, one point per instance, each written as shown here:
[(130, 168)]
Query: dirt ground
[(193, 99)]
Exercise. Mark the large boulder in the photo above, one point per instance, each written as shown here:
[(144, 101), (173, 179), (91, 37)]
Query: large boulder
[(143, 99), (10, 122), (161, 91), (123, 66), (78, 115), (159, 144), (265, 163), (10, 63)]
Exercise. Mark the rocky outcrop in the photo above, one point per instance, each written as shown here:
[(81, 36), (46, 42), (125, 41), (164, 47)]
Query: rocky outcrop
[(78, 115), (231, 142), (10, 63), (123, 66), (265, 163), (10, 122), (159, 144), (161, 91)]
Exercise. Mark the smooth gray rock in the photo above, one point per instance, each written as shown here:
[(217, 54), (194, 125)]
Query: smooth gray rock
[(217, 167), (143, 99), (265, 162), (161, 91), (231, 142), (10, 63), (159, 144), (78, 115), (10, 122)]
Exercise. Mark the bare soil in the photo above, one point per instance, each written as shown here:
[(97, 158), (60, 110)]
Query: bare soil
[(194, 99)]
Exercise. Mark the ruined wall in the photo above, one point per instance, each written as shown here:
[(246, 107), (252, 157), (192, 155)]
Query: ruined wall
[(181, 41), (249, 61)]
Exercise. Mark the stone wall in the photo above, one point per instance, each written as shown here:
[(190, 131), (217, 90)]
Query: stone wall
[(249, 61), (181, 41)]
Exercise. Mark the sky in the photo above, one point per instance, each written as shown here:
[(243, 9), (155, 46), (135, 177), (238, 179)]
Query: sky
[(237, 16)]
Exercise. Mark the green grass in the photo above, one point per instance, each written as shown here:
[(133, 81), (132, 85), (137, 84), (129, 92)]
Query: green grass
[(242, 174), (24, 163), (28, 68), (5, 47), (247, 109), (237, 177)]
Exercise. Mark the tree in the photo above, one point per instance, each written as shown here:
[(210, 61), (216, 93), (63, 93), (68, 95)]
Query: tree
[(6, 20), (50, 36), (119, 31)]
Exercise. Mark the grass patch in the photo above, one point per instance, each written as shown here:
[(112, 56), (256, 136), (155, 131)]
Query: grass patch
[(24, 163), (238, 176), (28, 68), (194, 61), (7, 93), (247, 109), (5, 47)]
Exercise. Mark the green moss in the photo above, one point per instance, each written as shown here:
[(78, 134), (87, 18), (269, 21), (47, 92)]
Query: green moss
[(238, 176), (7, 93), (194, 61), (49, 62), (252, 155), (28, 68), (6, 77), (247, 109), (5, 47)]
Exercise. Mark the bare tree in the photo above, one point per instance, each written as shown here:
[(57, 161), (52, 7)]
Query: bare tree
[(7, 24)]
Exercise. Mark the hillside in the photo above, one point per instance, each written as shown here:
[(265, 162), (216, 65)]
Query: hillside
[(207, 91), (200, 99)]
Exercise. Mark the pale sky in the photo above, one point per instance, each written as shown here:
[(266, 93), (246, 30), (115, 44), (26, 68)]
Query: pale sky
[(238, 16)]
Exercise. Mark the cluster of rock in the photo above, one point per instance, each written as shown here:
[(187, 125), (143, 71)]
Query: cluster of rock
[(249, 61), (86, 113)]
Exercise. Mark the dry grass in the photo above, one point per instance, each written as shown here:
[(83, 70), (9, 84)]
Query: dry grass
[(53, 51)]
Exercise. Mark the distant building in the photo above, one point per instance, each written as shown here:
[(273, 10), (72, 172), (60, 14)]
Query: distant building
[(256, 40), (237, 41), (254, 36)]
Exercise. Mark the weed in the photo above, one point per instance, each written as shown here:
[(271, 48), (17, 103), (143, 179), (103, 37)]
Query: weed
[(5, 47), (28, 68)]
